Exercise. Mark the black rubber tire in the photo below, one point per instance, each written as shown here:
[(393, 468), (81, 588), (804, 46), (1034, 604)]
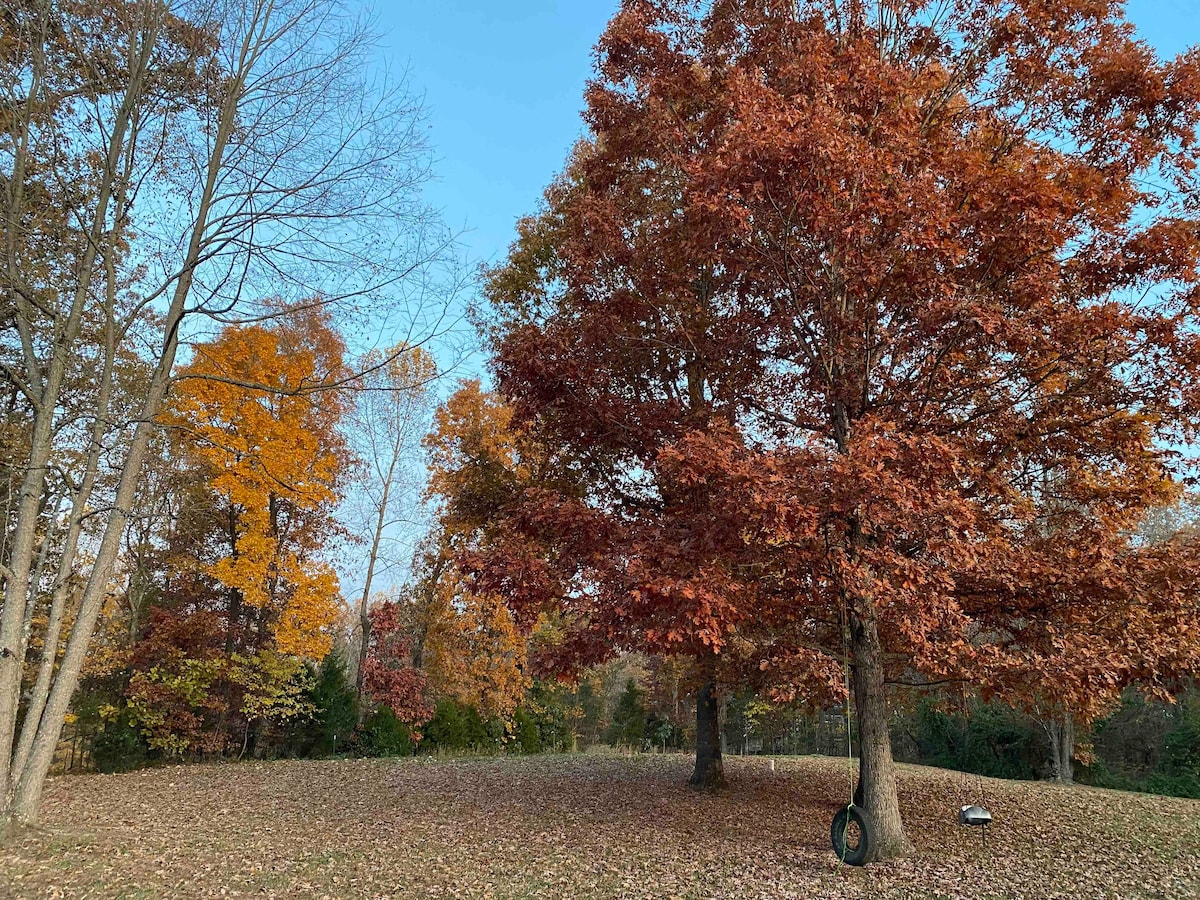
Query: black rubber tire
[(864, 852)]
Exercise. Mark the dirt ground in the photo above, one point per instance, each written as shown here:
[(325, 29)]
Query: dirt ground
[(587, 825)]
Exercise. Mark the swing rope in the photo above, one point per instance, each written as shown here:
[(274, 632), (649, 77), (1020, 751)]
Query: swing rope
[(964, 778), (863, 850), (849, 738), (964, 775)]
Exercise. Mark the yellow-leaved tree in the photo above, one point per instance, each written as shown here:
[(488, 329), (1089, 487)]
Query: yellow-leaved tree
[(257, 412), (472, 649)]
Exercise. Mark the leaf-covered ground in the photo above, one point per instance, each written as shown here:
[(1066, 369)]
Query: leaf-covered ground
[(587, 825)]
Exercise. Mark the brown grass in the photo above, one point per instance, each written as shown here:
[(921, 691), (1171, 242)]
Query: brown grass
[(583, 826)]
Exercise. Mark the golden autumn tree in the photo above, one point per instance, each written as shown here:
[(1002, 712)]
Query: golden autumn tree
[(472, 648), (257, 410), (476, 458), (247, 595)]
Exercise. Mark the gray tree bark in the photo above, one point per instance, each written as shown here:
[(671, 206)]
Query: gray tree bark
[(1061, 731), (44, 392), (877, 780)]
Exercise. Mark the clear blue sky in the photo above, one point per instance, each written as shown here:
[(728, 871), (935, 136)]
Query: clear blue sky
[(503, 82)]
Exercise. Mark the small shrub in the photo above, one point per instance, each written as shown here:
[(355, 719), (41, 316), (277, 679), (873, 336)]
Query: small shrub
[(661, 734), (329, 727), (447, 730), (456, 727), (119, 747), (1149, 746), (382, 735), (1186, 785), (993, 740), (336, 706), (526, 736), (551, 706), (1181, 749), (629, 719)]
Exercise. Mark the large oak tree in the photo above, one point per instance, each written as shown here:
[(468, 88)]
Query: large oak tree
[(871, 327)]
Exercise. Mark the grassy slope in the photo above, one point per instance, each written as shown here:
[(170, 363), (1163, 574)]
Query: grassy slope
[(579, 826)]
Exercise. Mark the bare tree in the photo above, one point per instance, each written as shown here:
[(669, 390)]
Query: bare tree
[(167, 164), (392, 411)]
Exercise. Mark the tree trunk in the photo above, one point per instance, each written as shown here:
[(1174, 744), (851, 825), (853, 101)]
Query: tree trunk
[(27, 785), (79, 504), (709, 772), (1061, 730), (877, 769), (17, 587), (30, 781), (364, 603)]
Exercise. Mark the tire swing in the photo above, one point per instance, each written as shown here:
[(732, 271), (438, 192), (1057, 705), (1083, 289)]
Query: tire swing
[(851, 832), (852, 836)]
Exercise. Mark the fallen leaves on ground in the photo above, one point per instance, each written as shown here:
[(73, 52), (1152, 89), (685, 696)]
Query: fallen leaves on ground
[(585, 825)]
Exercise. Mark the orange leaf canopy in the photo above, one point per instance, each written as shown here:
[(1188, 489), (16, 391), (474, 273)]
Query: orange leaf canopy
[(886, 310), (259, 409)]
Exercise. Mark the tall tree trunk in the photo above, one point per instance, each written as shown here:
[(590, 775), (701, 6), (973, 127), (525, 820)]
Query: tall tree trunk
[(79, 505), (386, 481), (877, 769), (1061, 730), (26, 792), (19, 557), (82, 495), (709, 772), (233, 619), (364, 602), (29, 782), (45, 395)]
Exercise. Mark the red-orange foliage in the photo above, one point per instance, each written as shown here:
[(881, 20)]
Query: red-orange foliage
[(389, 677), (883, 313)]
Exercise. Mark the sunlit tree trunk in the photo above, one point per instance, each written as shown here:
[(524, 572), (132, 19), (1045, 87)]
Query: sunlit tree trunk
[(364, 610), (31, 779), (81, 496), (44, 391)]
